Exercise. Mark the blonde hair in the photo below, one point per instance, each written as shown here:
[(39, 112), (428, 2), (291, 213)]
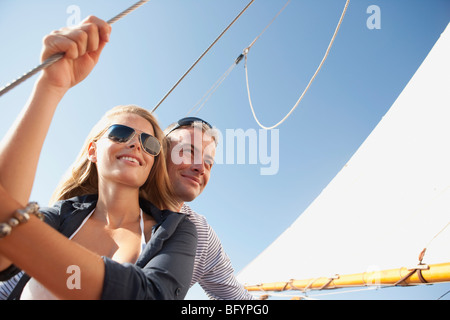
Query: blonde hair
[(82, 177)]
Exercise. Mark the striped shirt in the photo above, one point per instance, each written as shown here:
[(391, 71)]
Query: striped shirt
[(212, 267), (8, 286)]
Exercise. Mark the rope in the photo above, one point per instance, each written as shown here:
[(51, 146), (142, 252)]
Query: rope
[(437, 234), (215, 86), (56, 57), (262, 32), (310, 82), (210, 92), (127, 11), (201, 57), (443, 295), (422, 253), (417, 270)]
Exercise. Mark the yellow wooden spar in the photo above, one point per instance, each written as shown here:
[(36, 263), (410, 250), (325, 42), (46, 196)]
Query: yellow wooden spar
[(420, 274)]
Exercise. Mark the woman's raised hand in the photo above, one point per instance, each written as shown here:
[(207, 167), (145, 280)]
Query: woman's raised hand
[(82, 46)]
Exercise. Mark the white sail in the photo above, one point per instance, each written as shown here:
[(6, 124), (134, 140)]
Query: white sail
[(389, 200)]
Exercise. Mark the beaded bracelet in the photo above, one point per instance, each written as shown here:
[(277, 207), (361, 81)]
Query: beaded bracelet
[(20, 216)]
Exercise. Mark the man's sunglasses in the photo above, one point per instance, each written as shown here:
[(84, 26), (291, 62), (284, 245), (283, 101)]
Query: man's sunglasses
[(186, 122), (122, 134)]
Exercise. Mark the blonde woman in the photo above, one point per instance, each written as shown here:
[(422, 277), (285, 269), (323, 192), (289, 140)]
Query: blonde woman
[(119, 235)]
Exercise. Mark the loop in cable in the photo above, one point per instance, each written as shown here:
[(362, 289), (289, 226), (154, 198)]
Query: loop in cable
[(309, 84)]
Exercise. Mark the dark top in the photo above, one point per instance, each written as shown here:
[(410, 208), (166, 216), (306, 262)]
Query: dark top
[(162, 271)]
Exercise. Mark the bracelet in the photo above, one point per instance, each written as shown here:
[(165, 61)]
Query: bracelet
[(20, 216)]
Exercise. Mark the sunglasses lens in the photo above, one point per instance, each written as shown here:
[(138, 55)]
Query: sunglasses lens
[(119, 133), (122, 134), (150, 144)]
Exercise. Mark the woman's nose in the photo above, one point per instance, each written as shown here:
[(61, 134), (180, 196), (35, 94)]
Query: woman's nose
[(134, 142)]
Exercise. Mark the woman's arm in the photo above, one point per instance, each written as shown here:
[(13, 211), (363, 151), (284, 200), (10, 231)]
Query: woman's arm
[(46, 255), (163, 271), (21, 147)]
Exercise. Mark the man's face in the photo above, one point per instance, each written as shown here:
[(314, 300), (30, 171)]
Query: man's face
[(190, 159)]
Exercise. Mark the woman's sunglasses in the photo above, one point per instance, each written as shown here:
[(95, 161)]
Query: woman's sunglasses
[(122, 134)]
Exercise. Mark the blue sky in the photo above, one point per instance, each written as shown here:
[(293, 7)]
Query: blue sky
[(151, 48)]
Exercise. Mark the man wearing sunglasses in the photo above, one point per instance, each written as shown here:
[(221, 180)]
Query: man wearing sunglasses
[(191, 145)]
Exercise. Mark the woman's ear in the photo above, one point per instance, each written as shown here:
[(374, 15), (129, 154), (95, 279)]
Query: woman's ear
[(92, 152)]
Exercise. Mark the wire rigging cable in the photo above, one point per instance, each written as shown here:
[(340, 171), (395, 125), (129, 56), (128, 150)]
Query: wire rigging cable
[(216, 85), (310, 82), (201, 57), (201, 103), (56, 57), (267, 27)]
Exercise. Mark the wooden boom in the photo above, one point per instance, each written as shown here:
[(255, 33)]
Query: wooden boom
[(420, 274)]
